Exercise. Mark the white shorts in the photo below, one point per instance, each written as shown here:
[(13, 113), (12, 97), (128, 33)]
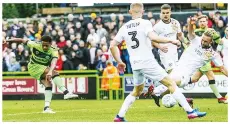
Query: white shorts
[(155, 73), (169, 60), (182, 74)]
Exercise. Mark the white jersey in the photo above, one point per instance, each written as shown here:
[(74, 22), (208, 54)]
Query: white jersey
[(195, 56), (138, 44), (192, 59), (169, 30)]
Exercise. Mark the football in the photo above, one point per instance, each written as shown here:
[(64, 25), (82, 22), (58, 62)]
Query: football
[(168, 101)]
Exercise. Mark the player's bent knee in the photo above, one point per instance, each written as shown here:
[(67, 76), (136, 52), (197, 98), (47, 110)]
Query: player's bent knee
[(55, 74)]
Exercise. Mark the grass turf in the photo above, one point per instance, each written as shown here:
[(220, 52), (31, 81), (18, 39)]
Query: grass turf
[(105, 111)]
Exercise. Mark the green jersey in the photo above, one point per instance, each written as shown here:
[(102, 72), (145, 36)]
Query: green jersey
[(216, 37), (200, 31), (39, 56)]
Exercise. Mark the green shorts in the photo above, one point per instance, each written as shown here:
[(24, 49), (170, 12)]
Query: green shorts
[(204, 69), (36, 70)]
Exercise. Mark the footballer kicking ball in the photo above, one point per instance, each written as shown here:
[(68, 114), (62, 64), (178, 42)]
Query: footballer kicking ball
[(168, 101)]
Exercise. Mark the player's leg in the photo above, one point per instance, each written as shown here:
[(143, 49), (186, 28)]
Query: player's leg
[(178, 96), (58, 81), (129, 100), (211, 79), (195, 77), (37, 71), (156, 73), (224, 70), (48, 95)]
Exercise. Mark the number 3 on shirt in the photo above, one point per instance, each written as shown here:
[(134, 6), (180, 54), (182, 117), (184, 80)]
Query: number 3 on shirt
[(133, 38)]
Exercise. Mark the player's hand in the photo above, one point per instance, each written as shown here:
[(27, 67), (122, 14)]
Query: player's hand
[(49, 76), (191, 20), (176, 42), (164, 49), (121, 66)]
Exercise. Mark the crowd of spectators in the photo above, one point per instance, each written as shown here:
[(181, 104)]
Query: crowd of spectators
[(83, 42)]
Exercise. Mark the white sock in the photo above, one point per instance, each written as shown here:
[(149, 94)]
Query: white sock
[(48, 97), (215, 90), (179, 97), (47, 103), (159, 90), (125, 106)]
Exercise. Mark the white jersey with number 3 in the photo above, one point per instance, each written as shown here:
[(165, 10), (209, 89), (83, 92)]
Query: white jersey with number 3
[(135, 33)]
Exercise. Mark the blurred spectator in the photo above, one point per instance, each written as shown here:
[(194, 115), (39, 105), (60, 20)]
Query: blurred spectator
[(113, 20), (218, 15), (62, 42), (99, 22), (68, 49), (93, 36), (50, 21), (54, 35), (79, 28), (21, 30), (19, 53), (210, 19), (82, 21), (87, 31), (220, 28), (98, 56), (76, 56), (121, 21), (67, 65), (101, 32), (85, 59), (101, 65), (149, 15), (13, 65), (62, 22), (78, 39), (59, 65), (92, 53)]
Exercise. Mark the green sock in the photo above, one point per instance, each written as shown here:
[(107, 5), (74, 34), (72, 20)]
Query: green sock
[(58, 81), (48, 96)]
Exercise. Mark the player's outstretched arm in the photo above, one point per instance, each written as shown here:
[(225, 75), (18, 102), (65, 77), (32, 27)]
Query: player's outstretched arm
[(191, 34), (15, 40), (155, 38)]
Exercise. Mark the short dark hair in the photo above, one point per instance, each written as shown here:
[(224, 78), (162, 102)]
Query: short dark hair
[(46, 38), (166, 6)]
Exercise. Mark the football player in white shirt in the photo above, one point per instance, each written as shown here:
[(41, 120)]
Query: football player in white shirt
[(196, 55), (207, 69), (138, 34), (223, 49), (168, 27)]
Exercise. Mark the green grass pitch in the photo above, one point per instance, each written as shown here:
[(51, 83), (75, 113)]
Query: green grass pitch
[(105, 111)]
